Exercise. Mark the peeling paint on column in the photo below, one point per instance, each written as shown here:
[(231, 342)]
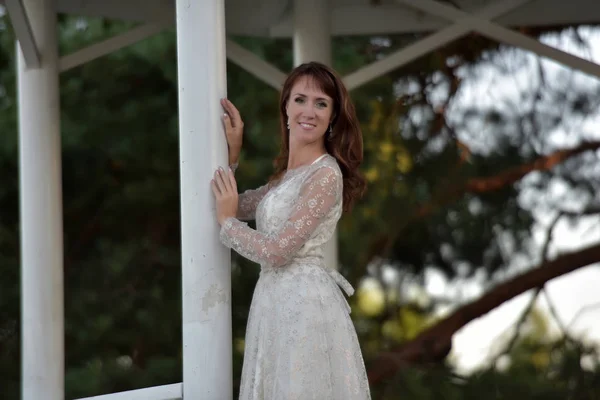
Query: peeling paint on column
[(213, 297)]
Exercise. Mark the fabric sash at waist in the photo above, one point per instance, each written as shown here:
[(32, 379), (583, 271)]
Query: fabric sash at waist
[(335, 275)]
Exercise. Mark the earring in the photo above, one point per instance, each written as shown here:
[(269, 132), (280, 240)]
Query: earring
[(330, 132), (288, 124)]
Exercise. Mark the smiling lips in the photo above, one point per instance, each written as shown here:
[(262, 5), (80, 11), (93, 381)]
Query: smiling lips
[(307, 125)]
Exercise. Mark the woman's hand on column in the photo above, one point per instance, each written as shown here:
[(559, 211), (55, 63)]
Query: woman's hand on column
[(234, 130), (224, 188)]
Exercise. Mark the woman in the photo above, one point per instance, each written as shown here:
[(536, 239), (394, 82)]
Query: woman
[(300, 340)]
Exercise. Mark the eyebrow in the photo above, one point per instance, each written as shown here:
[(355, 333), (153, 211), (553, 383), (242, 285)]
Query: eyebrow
[(318, 98)]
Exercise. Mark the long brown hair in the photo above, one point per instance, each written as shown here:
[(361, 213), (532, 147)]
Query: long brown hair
[(344, 143)]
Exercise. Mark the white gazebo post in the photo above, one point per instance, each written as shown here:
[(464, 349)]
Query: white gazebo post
[(41, 206), (312, 42), (206, 263), (312, 31)]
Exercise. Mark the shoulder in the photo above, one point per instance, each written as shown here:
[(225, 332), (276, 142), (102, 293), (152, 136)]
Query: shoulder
[(326, 173), (327, 165)]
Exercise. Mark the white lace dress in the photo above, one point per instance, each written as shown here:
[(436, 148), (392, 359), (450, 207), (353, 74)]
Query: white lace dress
[(300, 341)]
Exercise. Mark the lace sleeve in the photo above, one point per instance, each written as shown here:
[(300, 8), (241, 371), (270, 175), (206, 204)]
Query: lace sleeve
[(318, 196), (248, 201)]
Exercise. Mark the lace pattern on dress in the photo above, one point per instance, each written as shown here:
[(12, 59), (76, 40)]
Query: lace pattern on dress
[(248, 201), (319, 195)]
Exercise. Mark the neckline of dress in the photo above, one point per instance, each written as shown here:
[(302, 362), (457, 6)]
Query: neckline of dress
[(307, 165)]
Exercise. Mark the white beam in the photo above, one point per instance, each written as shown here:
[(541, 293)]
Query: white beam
[(404, 56), (426, 45), (505, 35), (553, 13), (249, 61), (243, 17), (148, 11), (20, 24), (206, 263), (386, 19), (268, 18), (42, 314), (349, 20), (166, 392), (111, 44)]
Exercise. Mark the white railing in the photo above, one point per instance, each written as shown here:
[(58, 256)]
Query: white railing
[(165, 392)]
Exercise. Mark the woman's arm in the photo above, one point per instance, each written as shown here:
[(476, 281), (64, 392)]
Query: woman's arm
[(248, 201), (321, 192)]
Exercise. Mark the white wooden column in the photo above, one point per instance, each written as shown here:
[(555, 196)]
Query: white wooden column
[(312, 31), (41, 211), (206, 263), (312, 42)]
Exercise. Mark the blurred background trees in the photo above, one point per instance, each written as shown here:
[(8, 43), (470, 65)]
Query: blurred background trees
[(472, 154)]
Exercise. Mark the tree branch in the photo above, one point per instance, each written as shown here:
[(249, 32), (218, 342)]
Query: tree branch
[(518, 325), (436, 342), (591, 209), (512, 175), (481, 185), (583, 310), (554, 313)]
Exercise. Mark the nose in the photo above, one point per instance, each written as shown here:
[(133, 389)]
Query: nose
[(309, 111)]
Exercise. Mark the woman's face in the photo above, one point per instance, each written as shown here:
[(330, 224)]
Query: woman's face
[(309, 111)]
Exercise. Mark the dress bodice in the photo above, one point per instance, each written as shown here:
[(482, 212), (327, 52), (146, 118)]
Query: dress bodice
[(294, 216), (280, 202)]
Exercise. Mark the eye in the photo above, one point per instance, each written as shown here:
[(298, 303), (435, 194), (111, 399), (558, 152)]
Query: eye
[(299, 100), (322, 104)]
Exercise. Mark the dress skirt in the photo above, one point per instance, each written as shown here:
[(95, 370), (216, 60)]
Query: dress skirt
[(300, 341)]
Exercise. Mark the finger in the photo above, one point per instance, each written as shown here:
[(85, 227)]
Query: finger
[(228, 110), (227, 122), (219, 182), (232, 180), (226, 180), (233, 111), (223, 182), (215, 189)]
